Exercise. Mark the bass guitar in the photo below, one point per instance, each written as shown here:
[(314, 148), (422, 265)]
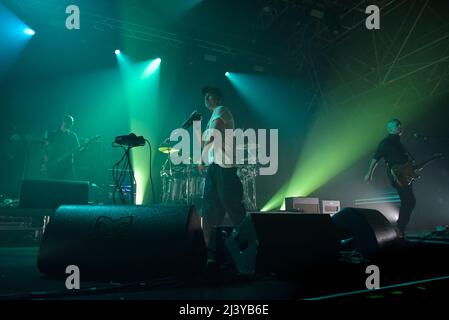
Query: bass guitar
[(58, 165), (405, 174)]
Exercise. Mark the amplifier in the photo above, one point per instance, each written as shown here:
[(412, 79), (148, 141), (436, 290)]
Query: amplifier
[(19, 231), (50, 194), (331, 206), (302, 204)]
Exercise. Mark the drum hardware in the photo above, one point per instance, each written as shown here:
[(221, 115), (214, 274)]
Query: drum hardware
[(184, 183), (247, 174), (167, 147)]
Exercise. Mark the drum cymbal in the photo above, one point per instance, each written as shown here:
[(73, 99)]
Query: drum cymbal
[(166, 149)]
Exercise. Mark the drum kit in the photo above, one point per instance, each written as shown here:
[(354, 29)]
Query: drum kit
[(184, 183)]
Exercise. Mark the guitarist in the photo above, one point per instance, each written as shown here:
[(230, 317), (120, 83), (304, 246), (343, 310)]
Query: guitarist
[(394, 153), (58, 143)]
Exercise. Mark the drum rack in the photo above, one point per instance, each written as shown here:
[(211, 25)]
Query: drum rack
[(184, 184)]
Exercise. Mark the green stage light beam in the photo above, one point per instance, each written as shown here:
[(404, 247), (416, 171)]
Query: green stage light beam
[(275, 201), (270, 96), (339, 138), (143, 103), (124, 64), (257, 91), (142, 84), (142, 92)]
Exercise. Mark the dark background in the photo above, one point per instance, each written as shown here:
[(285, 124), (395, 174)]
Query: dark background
[(315, 64)]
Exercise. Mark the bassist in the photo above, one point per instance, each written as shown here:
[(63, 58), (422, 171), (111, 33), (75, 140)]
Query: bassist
[(394, 153), (58, 144)]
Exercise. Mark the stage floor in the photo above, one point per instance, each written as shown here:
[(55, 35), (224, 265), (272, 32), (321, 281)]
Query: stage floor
[(19, 275), (409, 267)]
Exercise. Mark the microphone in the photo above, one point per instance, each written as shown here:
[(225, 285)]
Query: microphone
[(195, 116)]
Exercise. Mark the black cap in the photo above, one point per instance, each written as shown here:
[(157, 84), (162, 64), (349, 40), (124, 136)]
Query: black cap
[(211, 90)]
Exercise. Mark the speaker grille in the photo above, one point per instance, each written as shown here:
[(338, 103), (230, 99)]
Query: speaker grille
[(124, 241)]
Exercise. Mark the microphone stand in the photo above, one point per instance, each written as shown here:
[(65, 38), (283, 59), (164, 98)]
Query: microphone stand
[(417, 136), (168, 172), (445, 139)]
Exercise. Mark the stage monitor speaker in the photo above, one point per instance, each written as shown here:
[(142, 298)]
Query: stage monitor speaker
[(50, 194), (371, 231), (124, 242), (283, 243)]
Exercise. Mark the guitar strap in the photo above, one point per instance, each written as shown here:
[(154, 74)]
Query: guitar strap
[(389, 171), (410, 155)]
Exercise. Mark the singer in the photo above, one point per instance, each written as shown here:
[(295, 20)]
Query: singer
[(223, 190)]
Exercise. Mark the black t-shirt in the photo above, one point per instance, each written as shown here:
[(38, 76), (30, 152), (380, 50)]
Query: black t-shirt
[(61, 143), (392, 151)]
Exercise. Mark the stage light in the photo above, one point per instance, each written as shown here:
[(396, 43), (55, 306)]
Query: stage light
[(227, 74), (152, 67), (117, 52), (29, 31), (14, 36)]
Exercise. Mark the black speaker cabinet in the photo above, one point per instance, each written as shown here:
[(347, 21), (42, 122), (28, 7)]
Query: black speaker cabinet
[(124, 241), (370, 229), (283, 243), (50, 194)]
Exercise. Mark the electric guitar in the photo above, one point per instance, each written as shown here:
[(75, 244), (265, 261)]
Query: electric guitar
[(405, 174), (58, 165)]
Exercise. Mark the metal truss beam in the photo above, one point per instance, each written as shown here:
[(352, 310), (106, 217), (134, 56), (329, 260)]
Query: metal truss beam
[(140, 32)]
